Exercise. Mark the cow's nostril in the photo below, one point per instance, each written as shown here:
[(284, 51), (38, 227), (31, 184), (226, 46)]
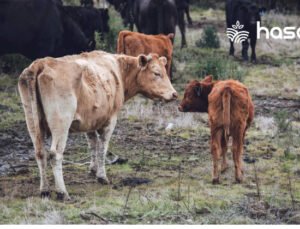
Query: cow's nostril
[(175, 95)]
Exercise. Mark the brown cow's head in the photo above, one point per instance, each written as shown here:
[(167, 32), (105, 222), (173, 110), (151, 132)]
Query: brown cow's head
[(153, 80), (196, 96)]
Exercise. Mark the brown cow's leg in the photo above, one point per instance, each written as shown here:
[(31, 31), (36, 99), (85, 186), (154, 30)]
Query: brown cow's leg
[(105, 135), (216, 153), (237, 151), (224, 152)]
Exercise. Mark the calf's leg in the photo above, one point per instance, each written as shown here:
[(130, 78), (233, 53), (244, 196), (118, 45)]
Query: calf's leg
[(237, 152), (224, 152), (216, 154), (104, 135)]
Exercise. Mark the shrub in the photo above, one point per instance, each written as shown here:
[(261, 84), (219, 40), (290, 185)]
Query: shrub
[(209, 38), (220, 67)]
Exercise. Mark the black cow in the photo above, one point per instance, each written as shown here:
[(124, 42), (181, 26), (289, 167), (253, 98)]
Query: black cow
[(158, 17), (38, 28), (90, 20), (248, 14), (125, 8), (184, 7)]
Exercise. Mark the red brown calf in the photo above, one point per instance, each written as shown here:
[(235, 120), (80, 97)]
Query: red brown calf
[(231, 111)]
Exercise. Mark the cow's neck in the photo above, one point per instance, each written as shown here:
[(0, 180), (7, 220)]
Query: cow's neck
[(129, 71)]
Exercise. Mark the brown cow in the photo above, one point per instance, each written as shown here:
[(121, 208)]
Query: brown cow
[(134, 44), (83, 93), (231, 111)]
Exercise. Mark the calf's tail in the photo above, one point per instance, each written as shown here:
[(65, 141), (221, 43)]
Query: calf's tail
[(226, 111)]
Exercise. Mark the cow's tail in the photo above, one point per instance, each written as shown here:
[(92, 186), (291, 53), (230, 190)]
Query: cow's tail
[(226, 111), (121, 42), (31, 103)]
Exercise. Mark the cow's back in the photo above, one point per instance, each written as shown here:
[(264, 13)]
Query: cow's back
[(240, 104), (92, 80)]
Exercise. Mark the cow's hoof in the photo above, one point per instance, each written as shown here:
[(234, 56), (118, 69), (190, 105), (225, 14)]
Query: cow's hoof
[(103, 181), (216, 181), (60, 196), (45, 194), (92, 172)]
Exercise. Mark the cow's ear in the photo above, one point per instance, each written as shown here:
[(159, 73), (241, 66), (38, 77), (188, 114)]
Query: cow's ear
[(171, 35), (197, 89), (163, 60), (143, 61), (208, 79)]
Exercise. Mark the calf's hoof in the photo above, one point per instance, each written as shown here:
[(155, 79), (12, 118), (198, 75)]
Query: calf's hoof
[(216, 181), (103, 180), (238, 180), (45, 194)]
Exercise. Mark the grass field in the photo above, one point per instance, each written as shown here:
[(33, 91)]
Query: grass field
[(167, 176)]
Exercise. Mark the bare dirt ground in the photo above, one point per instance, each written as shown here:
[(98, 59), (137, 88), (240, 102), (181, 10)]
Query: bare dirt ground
[(165, 176)]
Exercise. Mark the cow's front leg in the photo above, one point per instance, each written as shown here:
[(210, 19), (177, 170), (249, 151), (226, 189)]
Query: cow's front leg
[(253, 44), (245, 46), (104, 136), (94, 143), (231, 50)]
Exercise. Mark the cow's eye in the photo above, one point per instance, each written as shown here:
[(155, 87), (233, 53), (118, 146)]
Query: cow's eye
[(157, 74)]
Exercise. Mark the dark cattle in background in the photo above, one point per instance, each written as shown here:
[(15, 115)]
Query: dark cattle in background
[(247, 13), (157, 17), (125, 8), (38, 28), (90, 20), (184, 7)]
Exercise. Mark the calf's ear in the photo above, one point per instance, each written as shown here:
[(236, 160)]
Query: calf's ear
[(143, 61), (163, 60), (207, 79)]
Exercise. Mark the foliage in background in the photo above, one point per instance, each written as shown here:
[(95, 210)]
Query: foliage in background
[(209, 38)]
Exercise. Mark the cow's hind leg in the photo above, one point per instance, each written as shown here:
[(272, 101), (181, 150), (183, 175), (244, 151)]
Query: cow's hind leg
[(237, 152), (216, 154), (59, 140), (93, 142), (224, 152), (104, 135), (37, 135)]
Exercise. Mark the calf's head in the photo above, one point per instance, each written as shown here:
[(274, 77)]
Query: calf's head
[(196, 96), (153, 81)]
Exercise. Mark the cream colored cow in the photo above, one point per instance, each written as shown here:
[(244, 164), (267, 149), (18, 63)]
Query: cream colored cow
[(83, 93)]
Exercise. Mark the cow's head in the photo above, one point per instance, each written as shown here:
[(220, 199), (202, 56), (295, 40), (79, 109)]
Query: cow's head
[(101, 20), (153, 80), (196, 96)]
